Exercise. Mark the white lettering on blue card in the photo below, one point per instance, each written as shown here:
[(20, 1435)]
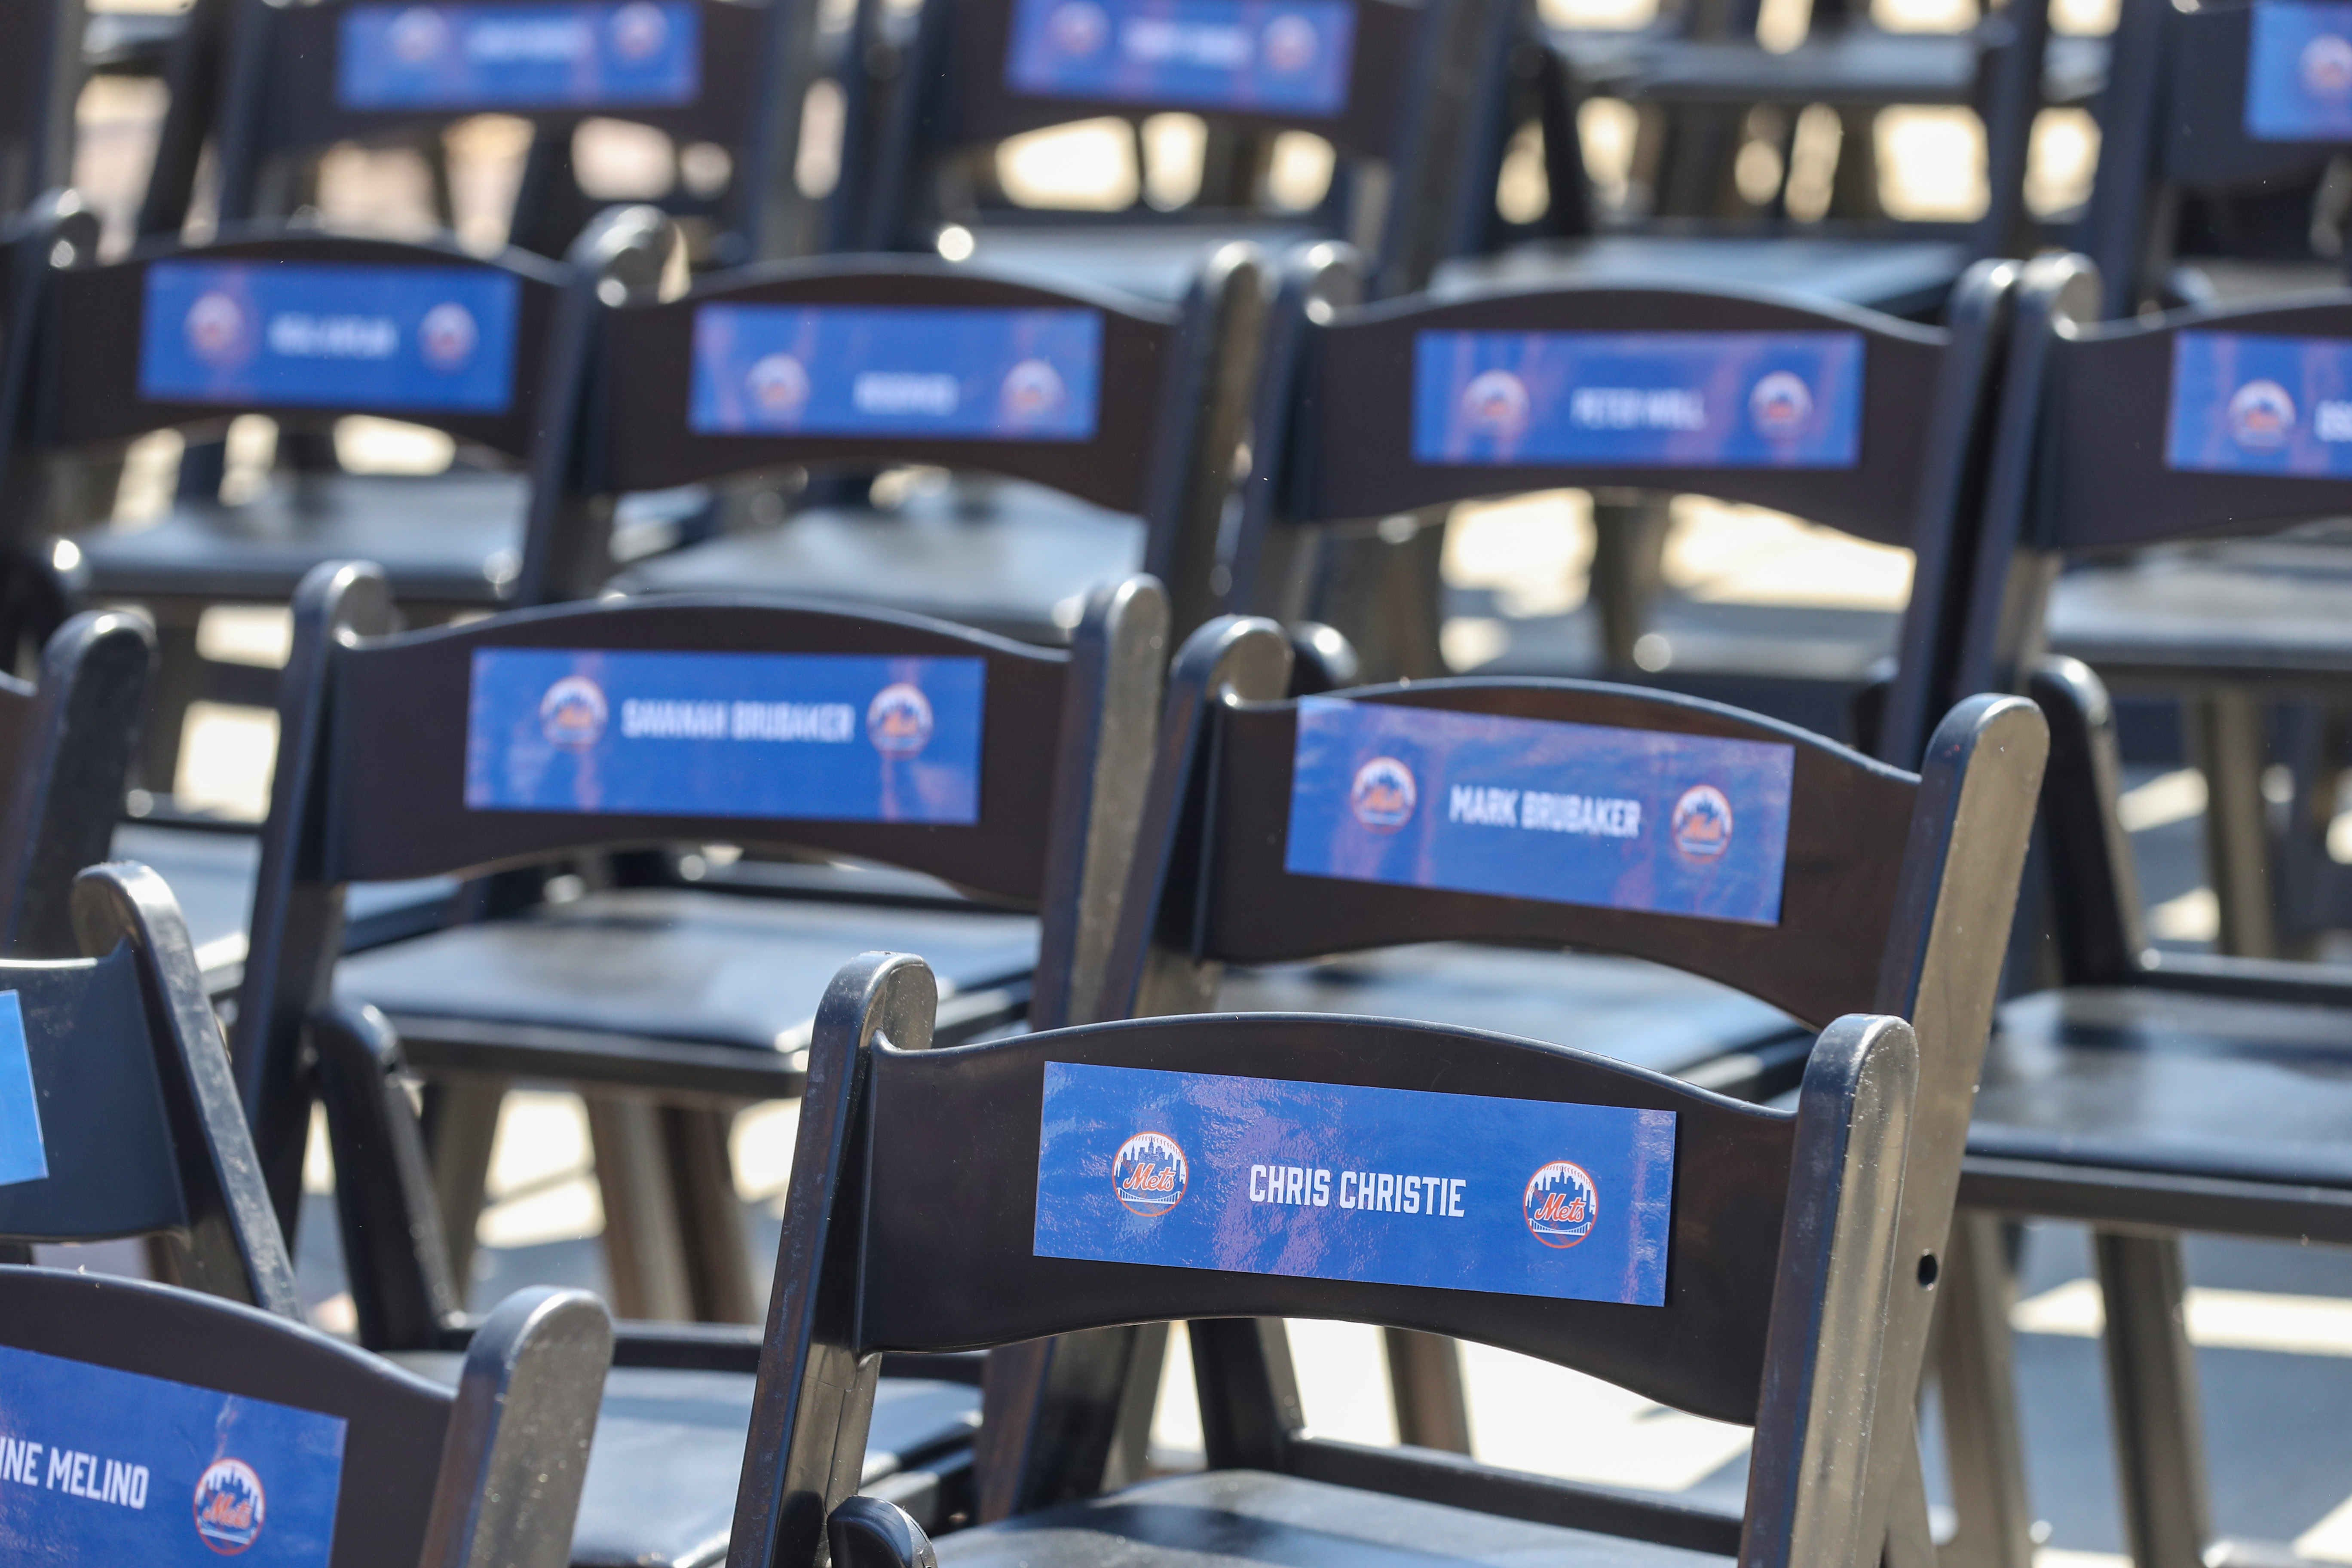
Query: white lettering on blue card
[(1273, 57), (541, 54), (2256, 403)]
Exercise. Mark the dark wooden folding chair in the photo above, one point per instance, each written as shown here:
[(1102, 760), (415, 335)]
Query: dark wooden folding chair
[(1401, 92), (211, 1397), (2144, 1094), (1008, 771), (1210, 1169), (1073, 420)]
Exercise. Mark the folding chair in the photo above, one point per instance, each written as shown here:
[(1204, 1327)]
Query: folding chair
[(279, 89), (1213, 1168), (2142, 1094), (1063, 413), (1401, 92), (163, 1422), (1402, 408), (2217, 134), (40, 73)]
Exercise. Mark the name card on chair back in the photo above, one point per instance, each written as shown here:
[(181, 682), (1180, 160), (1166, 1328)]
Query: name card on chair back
[(1733, 400), (527, 56), (1289, 57), (329, 334), (2299, 72), (1390, 1186), (1535, 808), (23, 1155), (2261, 402), (98, 1465), (811, 736)]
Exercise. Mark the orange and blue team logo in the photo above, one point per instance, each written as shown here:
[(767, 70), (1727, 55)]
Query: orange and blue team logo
[(1149, 1172), (1032, 389), (1290, 45), (1701, 828), (2262, 416), (1495, 403), (899, 719), (230, 1508), (574, 712), (639, 31), (448, 335), (1781, 404), (1078, 28), (2325, 65), (217, 330), (1384, 794), (419, 35), (1560, 1204), (779, 385)]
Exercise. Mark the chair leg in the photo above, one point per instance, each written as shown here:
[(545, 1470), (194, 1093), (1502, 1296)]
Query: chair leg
[(2227, 742), (179, 681), (1629, 545), (1977, 1377), (643, 1252), (461, 1124), (1426, 1387), (2152, 1392), (709, 1216)]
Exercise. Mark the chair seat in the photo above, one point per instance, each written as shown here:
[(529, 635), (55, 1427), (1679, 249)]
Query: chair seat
[(211, 874), (1151, 261), (1249, 1518), (1900, 277), (1011, 558), (658, 964), (2268, 609), (2145, 1080), (1640, 1013), (669, 1456), (453, 539)]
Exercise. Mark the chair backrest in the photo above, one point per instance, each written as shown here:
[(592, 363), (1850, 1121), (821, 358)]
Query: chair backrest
[(118, 1114), (2218, 101), (66, 745), (1847, 418), (1134, 406), (40, 75), (1219, 1168), (292, 82), (1011, 771), (145, 1423), (1405, 87)]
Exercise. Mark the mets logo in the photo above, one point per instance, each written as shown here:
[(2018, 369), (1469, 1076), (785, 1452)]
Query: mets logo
[(1032, 389), (1383, 795), (448, 335), (418, 35), (217, 330), (1078, 28), (1561, 1202), (2262, 416), (639, 31), (1701, 828), (572, 714), (229, 1506), (1495, 403), (1148, 1174), (2325, 65), (1781, 404), (779, 386), (1290, 45), (899, 719)]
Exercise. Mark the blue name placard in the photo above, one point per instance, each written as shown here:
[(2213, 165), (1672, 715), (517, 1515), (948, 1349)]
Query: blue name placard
[(519, 56), (1453, 1191), (105, 1467), (811, 736), (1527, 808), (329, 334), (1284, 57), (2299, 72), (1690, 400), (23, 1156), (896, 370), (2245, 403)]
